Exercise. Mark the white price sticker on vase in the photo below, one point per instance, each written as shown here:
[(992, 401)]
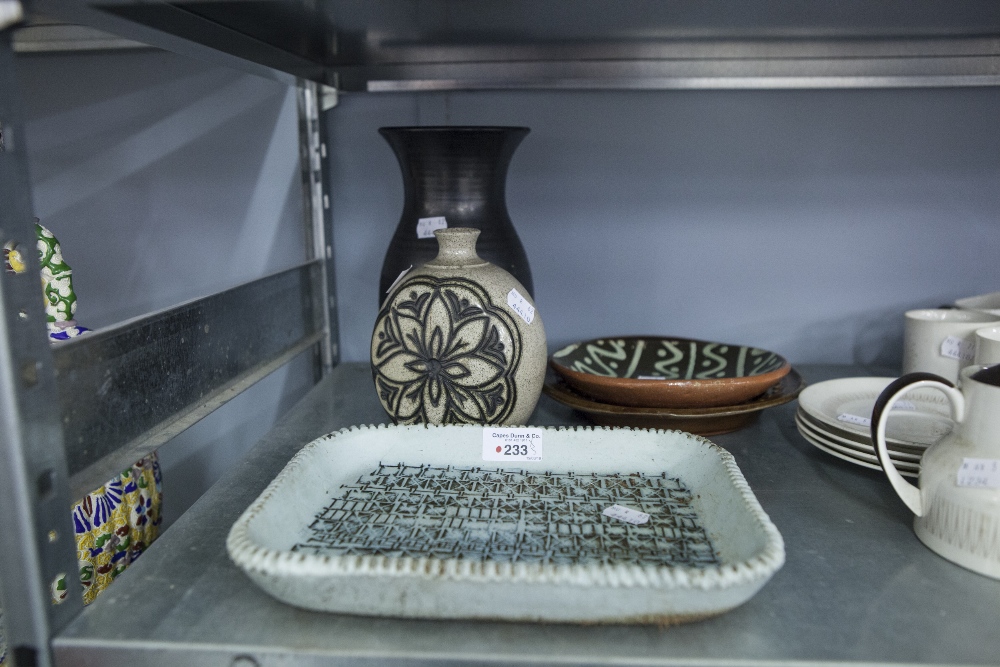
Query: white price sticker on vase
[(512, 444), (520, 306), (954, 347), (979, 473), (626, 514), (427, 226)]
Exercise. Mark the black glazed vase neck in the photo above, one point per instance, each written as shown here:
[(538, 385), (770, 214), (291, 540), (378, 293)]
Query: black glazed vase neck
[(456, 172), (460, 174)]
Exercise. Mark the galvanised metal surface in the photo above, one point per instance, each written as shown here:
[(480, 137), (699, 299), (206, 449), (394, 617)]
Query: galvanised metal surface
[(203, 40), (36, 535), (721, 74), (125, 390), (644, 62), (49, 38), (314, 161), (387, 45), (290, 37), (857, 586)]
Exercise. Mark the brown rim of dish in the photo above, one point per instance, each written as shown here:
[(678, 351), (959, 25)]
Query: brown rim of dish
[(789, 387)]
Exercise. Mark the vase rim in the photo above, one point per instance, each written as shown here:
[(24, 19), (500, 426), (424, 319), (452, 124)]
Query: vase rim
[(456, 128)]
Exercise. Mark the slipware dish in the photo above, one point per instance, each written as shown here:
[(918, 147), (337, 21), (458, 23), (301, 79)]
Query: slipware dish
[(667, 372), (848, 437), (822, 446), (927, 419), (412, 521), (866, 450), (700, 421)]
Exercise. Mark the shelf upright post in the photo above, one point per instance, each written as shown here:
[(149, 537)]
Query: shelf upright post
[(314, 158), (37, 546)]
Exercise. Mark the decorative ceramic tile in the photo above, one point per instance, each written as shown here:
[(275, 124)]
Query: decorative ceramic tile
[(116, 523)]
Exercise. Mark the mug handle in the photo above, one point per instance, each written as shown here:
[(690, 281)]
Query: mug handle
[(909, 493)]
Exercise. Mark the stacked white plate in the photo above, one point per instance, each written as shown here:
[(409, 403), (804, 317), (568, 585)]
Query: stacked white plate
[(835, 416)]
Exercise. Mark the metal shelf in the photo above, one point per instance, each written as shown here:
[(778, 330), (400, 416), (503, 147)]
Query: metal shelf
[(386, 45), (197, 353), (40, 36), (73, 414), (857, 585)]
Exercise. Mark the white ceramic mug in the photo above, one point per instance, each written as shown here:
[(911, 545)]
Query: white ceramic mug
[(988, 346), (942, 341)]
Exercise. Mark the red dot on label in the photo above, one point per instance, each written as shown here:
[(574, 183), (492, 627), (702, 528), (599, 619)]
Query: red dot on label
[(498, 449)]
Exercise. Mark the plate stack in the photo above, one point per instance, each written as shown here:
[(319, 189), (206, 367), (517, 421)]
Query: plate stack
[(697, 386), (835, 416)]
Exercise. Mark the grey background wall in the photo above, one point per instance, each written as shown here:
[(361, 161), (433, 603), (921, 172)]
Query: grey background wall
[(802, 221), (166, 180), (805, 222)]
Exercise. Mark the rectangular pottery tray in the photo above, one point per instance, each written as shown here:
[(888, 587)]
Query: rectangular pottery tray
[(410, 521)]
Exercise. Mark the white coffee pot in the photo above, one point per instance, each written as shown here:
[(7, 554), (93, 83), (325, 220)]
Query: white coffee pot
[(957, 502)]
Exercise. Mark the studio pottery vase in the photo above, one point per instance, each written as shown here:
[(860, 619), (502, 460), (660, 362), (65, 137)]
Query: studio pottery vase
[(458, 341), (454, 177)]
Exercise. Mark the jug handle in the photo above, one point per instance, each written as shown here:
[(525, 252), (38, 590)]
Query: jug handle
[(909, 493)]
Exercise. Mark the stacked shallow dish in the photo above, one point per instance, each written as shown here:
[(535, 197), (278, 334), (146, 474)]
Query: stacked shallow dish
[(665, 382), (835, 417)]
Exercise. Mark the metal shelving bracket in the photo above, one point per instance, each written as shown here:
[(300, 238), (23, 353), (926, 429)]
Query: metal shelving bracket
[(37, 545)]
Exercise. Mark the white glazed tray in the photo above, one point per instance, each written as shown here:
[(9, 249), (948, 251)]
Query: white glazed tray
[(410, 521)]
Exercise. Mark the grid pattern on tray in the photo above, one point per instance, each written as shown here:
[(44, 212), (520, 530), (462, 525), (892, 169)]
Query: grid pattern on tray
[(511, 516)]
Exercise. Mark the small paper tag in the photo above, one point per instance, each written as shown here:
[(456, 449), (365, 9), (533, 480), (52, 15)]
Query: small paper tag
[(426, 226), (512, 444), (866, 421), (626, 514), (854, 419), (520, 306), (398, 278), (979, 473), (650, 377), (954, 347)]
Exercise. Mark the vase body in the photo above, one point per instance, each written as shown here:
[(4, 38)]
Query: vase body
[(459, 174), (458, 341)]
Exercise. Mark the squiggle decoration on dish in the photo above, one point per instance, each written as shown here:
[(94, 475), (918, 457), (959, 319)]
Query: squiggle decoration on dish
[(676, 359)]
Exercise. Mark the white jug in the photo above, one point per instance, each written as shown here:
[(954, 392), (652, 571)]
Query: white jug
[(957, 503)]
